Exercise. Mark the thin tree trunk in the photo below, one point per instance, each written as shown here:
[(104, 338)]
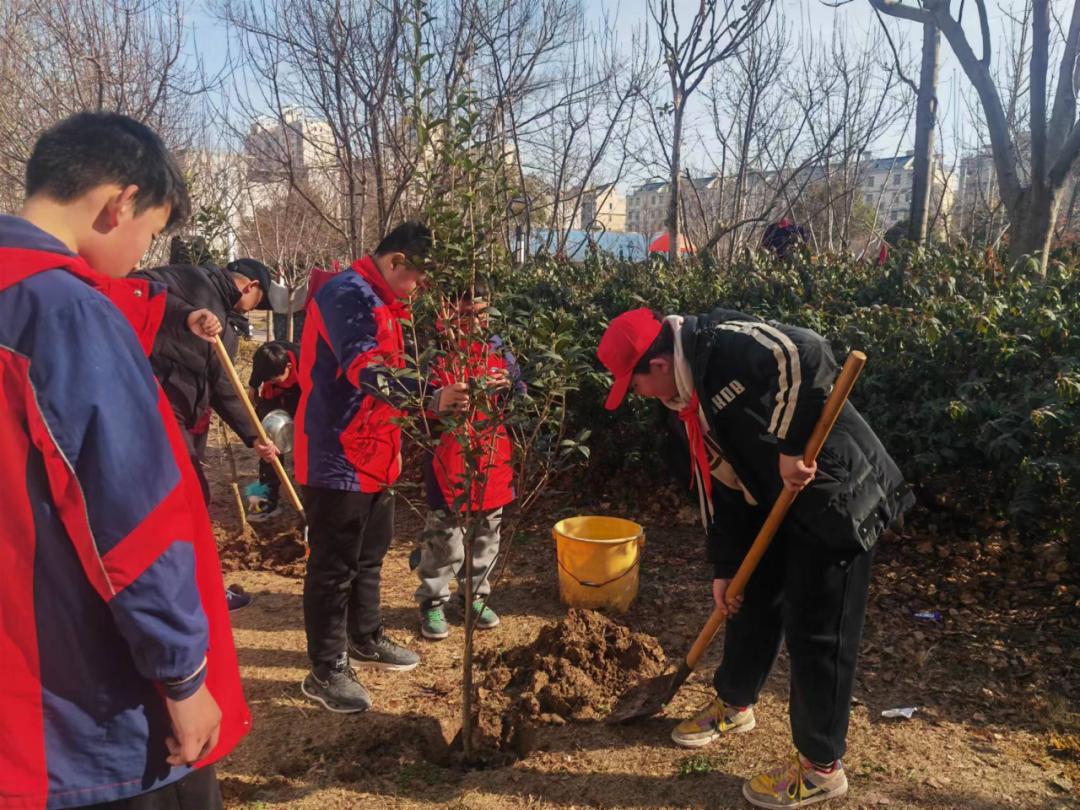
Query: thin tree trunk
[(673, 197), (467, 725), (925, 123)]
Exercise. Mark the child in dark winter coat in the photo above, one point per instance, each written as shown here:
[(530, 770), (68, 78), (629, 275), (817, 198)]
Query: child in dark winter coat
[(442, 554), (188, 368), (747, 395), (273, 386)]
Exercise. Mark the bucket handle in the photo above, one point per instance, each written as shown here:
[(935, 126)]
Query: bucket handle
[(638, 541)]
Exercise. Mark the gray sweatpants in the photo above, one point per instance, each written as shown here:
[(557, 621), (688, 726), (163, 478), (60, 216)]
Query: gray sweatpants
[(442, 556)]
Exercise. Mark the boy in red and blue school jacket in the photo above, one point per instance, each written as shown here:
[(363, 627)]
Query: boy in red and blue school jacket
[(348, 453), (121, 686), (451, 492)]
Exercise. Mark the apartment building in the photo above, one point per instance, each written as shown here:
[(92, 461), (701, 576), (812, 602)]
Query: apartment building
[(605, 208)]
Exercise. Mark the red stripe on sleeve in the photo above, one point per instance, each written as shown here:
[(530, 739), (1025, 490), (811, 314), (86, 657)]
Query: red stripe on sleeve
[(23, 774), (168, 522)]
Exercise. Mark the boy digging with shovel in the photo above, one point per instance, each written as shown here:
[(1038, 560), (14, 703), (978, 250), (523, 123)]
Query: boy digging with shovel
[(747, 395)]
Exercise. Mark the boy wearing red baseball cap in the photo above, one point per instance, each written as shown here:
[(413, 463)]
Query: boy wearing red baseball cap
[(743, 396)]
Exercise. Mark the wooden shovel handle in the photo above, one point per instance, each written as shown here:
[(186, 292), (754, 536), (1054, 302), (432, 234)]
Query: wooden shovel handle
[(241, 392), (853, 366)]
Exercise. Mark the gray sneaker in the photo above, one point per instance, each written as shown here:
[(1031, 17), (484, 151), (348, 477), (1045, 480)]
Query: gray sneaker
[(382, 653), (337, 688)]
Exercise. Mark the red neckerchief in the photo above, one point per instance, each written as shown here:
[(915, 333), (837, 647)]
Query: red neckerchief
[(366, 268), (699, 457)]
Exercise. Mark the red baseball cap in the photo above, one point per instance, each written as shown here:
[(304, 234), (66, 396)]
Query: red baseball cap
[(624, 343)]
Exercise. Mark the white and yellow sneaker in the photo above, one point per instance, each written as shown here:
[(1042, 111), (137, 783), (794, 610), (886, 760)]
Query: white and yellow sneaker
[(714, 720), (795, 783)]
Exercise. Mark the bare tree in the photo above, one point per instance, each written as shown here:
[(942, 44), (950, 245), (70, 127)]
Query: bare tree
[(318, 100), (926, 104), (284, 230), (1054, 134), (57, 59), (717, 32), (576, 129), (795, 120)]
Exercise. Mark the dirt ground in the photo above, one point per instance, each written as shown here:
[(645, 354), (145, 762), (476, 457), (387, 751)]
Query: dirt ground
[(994, 681)]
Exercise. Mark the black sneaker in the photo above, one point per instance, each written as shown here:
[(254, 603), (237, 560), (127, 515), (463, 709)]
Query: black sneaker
[(382, 653), (236, 599), (337, 688)]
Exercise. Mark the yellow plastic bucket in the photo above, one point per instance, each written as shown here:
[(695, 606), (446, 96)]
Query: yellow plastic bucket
[(598, 561)]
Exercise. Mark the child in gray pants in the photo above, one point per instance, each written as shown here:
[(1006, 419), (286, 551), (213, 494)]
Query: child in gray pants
[(452, 508)]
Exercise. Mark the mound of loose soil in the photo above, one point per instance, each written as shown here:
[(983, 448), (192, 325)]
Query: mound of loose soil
[(275, 544), (574, 670)]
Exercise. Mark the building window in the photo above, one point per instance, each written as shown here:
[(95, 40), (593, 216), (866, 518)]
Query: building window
[(896, 180), (870, 181)]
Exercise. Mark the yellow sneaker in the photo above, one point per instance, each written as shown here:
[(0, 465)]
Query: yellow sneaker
[(795, 783), (715, 719)]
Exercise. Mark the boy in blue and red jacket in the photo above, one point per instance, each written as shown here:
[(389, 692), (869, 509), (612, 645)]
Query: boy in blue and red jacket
[(120, 671), (490, 488), (348, 453)]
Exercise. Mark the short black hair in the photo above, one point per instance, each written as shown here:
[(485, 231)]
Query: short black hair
[(411, 238), (90, 149), (664, 344), (270, 360)]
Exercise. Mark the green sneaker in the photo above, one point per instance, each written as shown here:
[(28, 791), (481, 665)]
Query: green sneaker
[(433, 624), (713, 721), (486, 618)]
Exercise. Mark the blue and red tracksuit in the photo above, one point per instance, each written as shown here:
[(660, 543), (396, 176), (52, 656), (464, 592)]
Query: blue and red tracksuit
[(112, 592), (346, 435), (492, 484)]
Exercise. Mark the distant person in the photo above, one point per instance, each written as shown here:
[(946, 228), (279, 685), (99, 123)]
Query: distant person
[(121, 687), (784, 238)]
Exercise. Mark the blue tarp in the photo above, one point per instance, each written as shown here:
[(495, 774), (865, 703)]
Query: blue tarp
[(631, 247)]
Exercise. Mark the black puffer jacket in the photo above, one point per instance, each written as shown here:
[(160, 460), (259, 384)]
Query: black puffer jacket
[(186, 365), (762, 387)]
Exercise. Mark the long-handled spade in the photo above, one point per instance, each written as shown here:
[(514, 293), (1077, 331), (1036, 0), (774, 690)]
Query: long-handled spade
[(241, 392), (652, 695)]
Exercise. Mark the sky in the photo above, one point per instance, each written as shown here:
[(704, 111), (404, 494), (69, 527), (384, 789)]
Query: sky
[(209, 38)]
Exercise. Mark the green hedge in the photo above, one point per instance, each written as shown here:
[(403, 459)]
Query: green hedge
[(974, 370)]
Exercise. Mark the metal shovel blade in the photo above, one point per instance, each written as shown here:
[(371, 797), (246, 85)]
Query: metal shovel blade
[(648, 697)]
